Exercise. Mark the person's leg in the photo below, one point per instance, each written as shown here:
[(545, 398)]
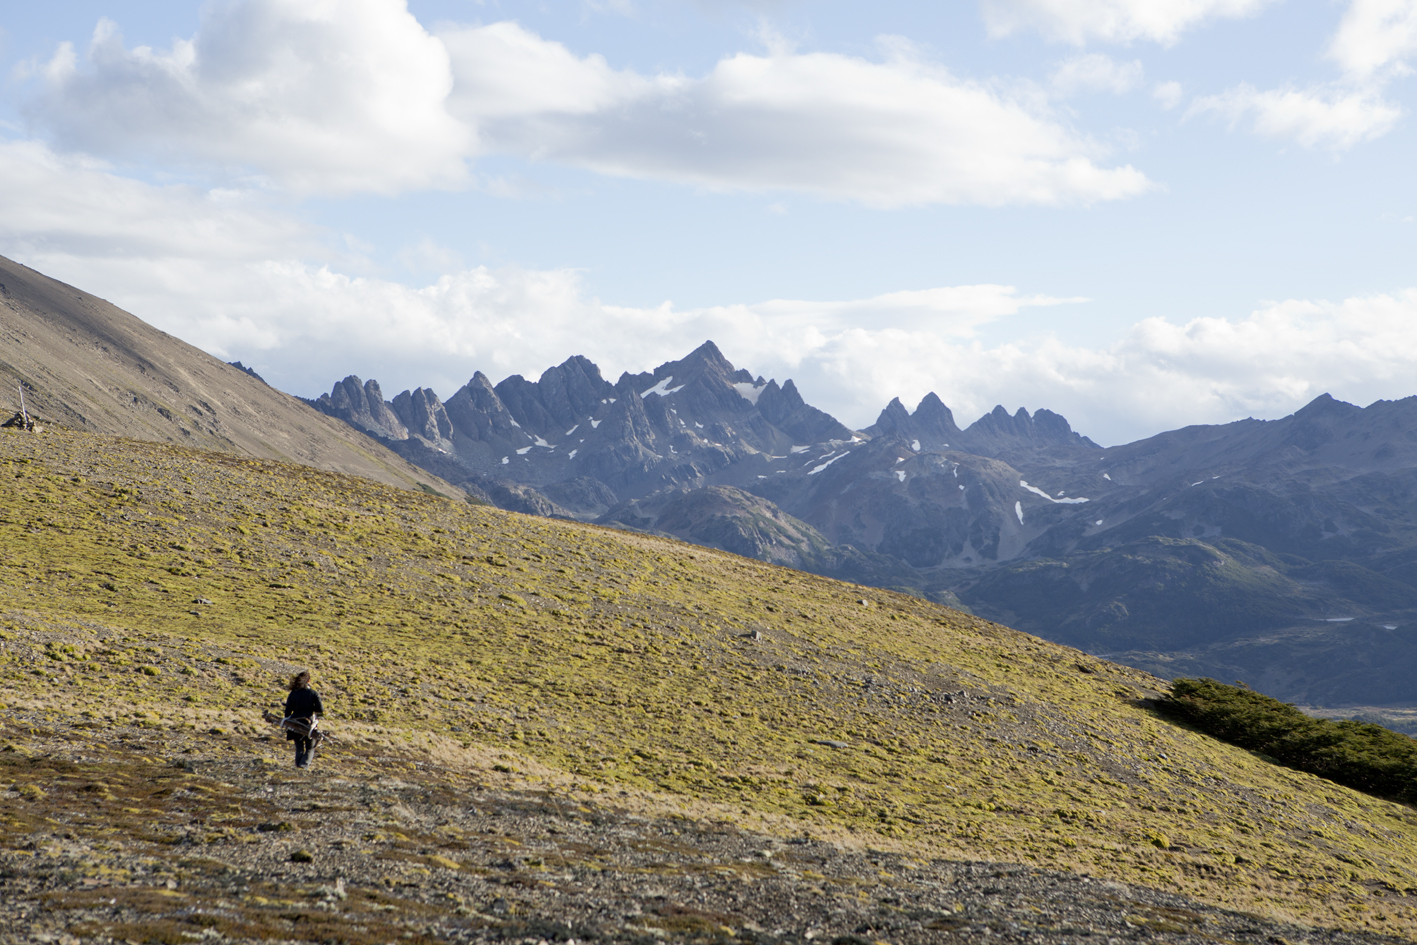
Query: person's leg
[(302, 752)]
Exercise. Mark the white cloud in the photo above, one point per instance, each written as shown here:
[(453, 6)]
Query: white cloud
[(505, 72), (1113, 21), (900, 131), (328, 96), (61, 206), (1376, 37), (223, 271), (322, 96), (1331, 117), (1095, 72), (1168, 95), (1159, 375)]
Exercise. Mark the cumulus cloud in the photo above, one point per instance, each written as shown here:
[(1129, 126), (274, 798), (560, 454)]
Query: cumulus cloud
[(1113, 21), (1376, 38), (897, 131), (56, 205), (322, 96), (313, 326), (1095, 72), (1331, 117), (226, 272), (1158, 375)]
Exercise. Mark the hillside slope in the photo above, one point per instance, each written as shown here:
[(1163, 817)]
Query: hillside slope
[(160, 586), (1213, 549), (89, 365)]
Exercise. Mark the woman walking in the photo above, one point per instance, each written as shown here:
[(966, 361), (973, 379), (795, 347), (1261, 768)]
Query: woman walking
[(301, 707)]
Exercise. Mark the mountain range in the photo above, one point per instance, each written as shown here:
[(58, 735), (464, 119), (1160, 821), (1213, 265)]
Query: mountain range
[(1281, 552)]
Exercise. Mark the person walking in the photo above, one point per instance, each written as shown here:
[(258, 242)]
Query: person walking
[(301, 707)]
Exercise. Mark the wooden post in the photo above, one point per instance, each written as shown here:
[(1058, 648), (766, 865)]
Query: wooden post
[(24, 414)]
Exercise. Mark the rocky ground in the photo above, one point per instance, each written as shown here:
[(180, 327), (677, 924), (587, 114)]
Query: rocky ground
[(143, 834)]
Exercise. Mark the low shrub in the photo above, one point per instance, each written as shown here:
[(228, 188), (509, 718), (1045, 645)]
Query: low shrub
[(1359, 755)]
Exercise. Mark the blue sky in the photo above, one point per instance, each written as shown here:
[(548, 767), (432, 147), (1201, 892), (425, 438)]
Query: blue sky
[(1139, 213)]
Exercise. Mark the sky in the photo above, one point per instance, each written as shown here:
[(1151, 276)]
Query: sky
[(1140, 214)]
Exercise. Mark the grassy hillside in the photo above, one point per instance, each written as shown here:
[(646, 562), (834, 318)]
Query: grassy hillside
[(149, 585)]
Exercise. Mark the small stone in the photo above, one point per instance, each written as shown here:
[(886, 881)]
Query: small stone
[(499, 906)]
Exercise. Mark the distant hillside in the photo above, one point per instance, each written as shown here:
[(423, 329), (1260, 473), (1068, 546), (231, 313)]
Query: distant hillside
[(1280, 552), (88, 365), (157, 596)]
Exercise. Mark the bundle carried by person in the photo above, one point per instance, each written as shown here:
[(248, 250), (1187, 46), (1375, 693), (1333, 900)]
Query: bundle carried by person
[(299, 726)]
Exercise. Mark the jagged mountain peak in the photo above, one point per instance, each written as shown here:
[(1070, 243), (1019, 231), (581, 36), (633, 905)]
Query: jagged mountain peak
[(563, 395), (704, 361), (892, 418), (673, 427), (1000, 434), (933, 409), (930, 427)]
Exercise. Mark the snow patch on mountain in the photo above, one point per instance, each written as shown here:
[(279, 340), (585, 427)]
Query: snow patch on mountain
[(816, 469), (662, 388), (749, 391), (1037, 491)]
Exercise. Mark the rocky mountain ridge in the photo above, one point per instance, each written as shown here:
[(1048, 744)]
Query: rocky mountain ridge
[(1282, 551)]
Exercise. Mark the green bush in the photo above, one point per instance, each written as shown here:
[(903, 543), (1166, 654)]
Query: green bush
[(1359, 755)]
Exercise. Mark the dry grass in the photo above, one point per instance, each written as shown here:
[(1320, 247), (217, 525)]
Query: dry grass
[(616, 661)]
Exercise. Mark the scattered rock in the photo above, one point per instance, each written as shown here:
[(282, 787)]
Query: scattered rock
[(545, 870)]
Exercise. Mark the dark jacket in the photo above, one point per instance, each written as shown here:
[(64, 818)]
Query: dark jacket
[(304, 704)]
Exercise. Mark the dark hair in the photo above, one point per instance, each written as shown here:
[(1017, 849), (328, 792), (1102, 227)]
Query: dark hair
[(300, 680)]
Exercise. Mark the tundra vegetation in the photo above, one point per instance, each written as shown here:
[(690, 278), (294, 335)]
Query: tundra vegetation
[(150, 587)]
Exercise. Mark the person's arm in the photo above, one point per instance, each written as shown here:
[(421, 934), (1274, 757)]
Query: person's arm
[(319, 706)]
